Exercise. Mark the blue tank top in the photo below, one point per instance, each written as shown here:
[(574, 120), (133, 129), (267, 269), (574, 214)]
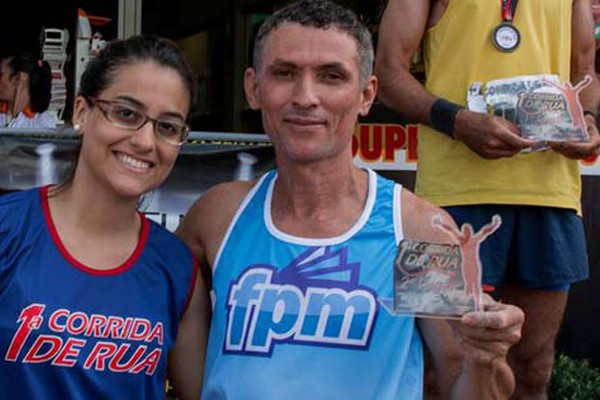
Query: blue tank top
[(71, 332), (301, 318)]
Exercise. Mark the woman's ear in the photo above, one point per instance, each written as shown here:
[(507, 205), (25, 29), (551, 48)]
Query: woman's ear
[(81, 110)]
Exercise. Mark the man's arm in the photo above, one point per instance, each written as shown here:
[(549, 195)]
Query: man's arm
[(206, 222), (583, 49), (469, 356), (402, 27), (202, 229), (450, 229), (186, 359), (418, 217)]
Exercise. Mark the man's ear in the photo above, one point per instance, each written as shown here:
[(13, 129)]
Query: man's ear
[(368, 95), (251, 88)]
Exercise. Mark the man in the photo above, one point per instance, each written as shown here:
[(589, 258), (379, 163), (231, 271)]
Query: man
[(302, 258), (473, 164)]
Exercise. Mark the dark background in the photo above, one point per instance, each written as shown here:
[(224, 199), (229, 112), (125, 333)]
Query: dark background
[(21, 23)]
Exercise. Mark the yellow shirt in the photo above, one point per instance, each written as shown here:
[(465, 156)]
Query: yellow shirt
[(459, 51)]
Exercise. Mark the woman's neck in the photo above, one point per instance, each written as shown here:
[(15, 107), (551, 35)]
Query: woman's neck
[(20, 103), (97, 211), (98, 234)]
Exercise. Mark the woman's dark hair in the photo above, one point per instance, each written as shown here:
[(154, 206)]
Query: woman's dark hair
[(40, 79), (101, 71)]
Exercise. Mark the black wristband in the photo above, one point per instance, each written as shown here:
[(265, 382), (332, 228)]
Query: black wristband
[(442, 116)]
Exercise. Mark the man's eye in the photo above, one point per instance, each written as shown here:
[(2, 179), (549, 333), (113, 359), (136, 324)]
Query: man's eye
[(283, 73), (332, 76)]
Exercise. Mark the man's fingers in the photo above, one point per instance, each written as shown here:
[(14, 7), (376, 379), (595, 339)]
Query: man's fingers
[(499, 322), (496, 316), (494, 149), (579, 150), (575, 150), (483, 336), (487, 335), (513, 140)]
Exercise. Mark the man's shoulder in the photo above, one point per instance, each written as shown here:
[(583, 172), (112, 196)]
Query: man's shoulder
[(223, 196), (418, 215), (206, 222)]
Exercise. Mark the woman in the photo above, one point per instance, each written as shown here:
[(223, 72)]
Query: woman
[(95, 300), (3, 113), (25, 87)]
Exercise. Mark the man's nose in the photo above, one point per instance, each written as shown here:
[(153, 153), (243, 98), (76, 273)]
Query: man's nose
[(306, 92)]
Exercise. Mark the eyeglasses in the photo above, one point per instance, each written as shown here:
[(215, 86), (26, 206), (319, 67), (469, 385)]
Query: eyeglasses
[(127, 117)]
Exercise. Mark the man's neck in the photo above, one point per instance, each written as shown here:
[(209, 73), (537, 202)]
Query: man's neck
[(317, 200)]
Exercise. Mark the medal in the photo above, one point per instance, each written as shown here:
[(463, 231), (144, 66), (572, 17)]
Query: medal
[(506, 36)]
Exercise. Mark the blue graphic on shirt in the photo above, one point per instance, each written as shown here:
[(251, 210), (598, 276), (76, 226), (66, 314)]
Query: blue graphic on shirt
[(314, 300)]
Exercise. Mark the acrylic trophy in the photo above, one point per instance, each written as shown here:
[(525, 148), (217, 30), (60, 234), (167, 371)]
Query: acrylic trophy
[(441, 279), (543, 108)]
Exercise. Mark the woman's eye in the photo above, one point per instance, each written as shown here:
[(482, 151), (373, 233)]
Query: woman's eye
[(125, 113), (168, 128)]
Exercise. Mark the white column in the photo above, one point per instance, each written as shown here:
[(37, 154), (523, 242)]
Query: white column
[(130, 18)]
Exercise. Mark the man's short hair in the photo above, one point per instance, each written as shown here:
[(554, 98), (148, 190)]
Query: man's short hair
[(322, 14)]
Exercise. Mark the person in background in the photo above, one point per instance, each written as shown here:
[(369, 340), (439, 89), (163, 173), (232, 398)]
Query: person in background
[(596, 16), (25, 87), (472, 163), (302, 258), (3, 104), (96, 301), (3, 113)]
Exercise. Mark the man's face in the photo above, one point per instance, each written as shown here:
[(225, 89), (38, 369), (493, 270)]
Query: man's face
[(7, 83), (308, 89)]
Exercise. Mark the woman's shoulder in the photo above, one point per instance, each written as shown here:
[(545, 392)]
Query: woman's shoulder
[(20, 217), (18, 200), (44, 119)]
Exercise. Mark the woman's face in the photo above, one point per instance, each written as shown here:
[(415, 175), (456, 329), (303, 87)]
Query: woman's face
[(7, 82), (125, 161)]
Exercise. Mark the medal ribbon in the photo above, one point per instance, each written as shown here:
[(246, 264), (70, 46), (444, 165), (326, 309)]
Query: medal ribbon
[(509, 9)]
